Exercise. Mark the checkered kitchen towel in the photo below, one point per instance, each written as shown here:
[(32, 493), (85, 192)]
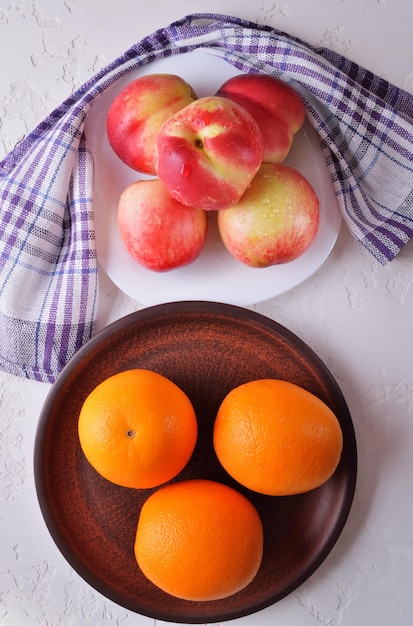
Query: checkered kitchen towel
[(48, 269)]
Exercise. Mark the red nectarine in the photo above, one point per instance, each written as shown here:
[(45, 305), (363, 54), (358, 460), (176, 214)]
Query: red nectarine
[(159, 232), (137, 113), (275, 221), (274, 104), (208, 153)]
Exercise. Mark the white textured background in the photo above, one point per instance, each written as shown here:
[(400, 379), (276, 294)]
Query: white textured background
[(355, 314)]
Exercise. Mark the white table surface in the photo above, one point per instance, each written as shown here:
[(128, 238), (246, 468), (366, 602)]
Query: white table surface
[(354, 313)]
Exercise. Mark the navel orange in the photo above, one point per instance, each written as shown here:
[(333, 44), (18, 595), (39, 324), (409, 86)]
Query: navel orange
[(277, 438), (199, 540), (137, 428)]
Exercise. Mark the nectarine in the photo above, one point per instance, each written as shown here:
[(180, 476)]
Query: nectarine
[(276, 219), (276, 107), (159, 232), (137, 113), (208, 153)]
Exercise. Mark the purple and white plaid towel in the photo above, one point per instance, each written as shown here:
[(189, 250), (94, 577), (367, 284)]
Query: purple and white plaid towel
[(48, 267)]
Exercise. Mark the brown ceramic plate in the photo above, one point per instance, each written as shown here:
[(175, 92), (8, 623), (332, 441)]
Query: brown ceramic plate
[(207, 349)]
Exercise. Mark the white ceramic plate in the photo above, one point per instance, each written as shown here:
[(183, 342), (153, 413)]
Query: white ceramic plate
[(215, 275)]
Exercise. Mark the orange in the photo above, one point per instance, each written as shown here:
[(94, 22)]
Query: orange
[(277, 438), (199, 540), (137, 429)]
